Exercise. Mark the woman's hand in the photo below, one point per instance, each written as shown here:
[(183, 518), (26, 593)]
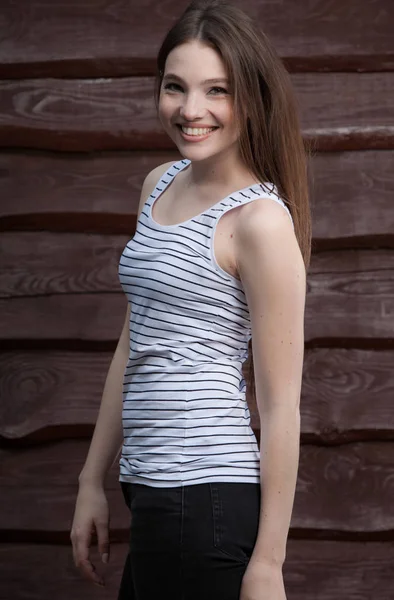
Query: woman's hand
[(262, 581), (91, 515)]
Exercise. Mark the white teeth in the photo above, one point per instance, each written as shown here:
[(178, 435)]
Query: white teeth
[(196, 131)]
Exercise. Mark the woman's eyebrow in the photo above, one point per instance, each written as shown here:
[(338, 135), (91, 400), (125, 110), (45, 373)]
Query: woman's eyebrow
[(214, 80)]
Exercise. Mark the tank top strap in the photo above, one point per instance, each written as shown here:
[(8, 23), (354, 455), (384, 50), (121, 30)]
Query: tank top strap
[(246, 195), (168, 176)]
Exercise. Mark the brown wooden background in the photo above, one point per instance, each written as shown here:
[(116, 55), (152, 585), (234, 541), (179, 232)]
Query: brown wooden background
[(78, 134)]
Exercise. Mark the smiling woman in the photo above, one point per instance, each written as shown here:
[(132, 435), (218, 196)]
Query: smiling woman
[(218, 261), (190, 101)]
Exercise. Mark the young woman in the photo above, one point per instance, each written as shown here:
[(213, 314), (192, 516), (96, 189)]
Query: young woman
[(217, 263)]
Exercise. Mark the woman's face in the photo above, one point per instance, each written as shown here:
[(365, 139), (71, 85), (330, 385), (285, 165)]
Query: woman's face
[(187, 99)]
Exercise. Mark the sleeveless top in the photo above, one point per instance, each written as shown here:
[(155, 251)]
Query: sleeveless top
[(185, 416)]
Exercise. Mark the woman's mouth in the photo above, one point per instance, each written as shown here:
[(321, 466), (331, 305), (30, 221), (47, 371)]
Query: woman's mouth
[(195, 134)]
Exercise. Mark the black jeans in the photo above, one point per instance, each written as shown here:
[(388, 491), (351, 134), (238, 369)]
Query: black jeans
[(189, 543)]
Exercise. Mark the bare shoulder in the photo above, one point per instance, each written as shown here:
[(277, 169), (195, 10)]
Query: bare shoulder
[(151, 180), (266, 246), (266, 213)]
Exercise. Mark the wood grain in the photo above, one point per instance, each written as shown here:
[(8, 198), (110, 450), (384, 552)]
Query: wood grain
[(45, 571), (40, 483), (339, 111), (104, 37), (346, 395), (351, 193), (350, 296), (338, 570), (52, 394), (78, 134), (42, 390), (66, 287)]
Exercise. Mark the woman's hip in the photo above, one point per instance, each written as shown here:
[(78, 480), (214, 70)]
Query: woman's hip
[(192, 541)]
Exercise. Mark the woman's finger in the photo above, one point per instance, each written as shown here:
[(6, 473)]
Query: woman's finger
[(89, 572), (102, 529), (82, 546)]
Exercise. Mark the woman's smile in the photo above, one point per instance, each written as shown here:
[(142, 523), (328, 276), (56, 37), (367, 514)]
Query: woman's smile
[(195, 134)]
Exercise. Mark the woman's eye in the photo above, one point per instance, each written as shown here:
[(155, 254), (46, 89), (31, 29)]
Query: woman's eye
[(220, 90), (169, 85), (216, 90)]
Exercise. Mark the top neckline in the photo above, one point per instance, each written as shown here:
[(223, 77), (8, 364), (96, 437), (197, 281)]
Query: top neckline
[(185, 163)]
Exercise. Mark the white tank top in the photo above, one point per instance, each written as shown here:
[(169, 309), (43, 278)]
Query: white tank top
[(185, 416)]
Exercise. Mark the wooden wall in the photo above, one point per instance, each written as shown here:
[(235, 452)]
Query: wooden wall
[(78, 134)]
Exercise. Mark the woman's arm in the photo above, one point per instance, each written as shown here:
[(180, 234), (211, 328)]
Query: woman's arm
[(108, 433), (272, 271), (91, 509)]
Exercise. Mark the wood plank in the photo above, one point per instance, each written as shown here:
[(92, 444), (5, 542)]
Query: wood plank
[(57, 187), (119, 114), (340, 570), (56, 393), (56, 288), (66, 39), (345, 490), (64, 263), (350, 296), (338, 385), (40, 486), (351, 195), (51, 390), (84, 318), (99, 114), (43, 572), (342, 492), (313, 570), (100, 193)]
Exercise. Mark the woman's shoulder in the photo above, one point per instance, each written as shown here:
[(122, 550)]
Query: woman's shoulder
[(268, 212), (154, 175), (151, 181), (264, 234)]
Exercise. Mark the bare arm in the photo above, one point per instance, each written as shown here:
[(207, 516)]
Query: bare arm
[(91, 512), (108, 433), (273, 274)]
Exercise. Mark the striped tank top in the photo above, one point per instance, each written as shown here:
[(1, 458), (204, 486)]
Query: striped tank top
[(185, 416)]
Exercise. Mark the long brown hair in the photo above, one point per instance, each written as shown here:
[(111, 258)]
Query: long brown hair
[(265, 106)]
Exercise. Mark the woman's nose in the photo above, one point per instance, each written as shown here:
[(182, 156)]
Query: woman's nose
[(191, 107)]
